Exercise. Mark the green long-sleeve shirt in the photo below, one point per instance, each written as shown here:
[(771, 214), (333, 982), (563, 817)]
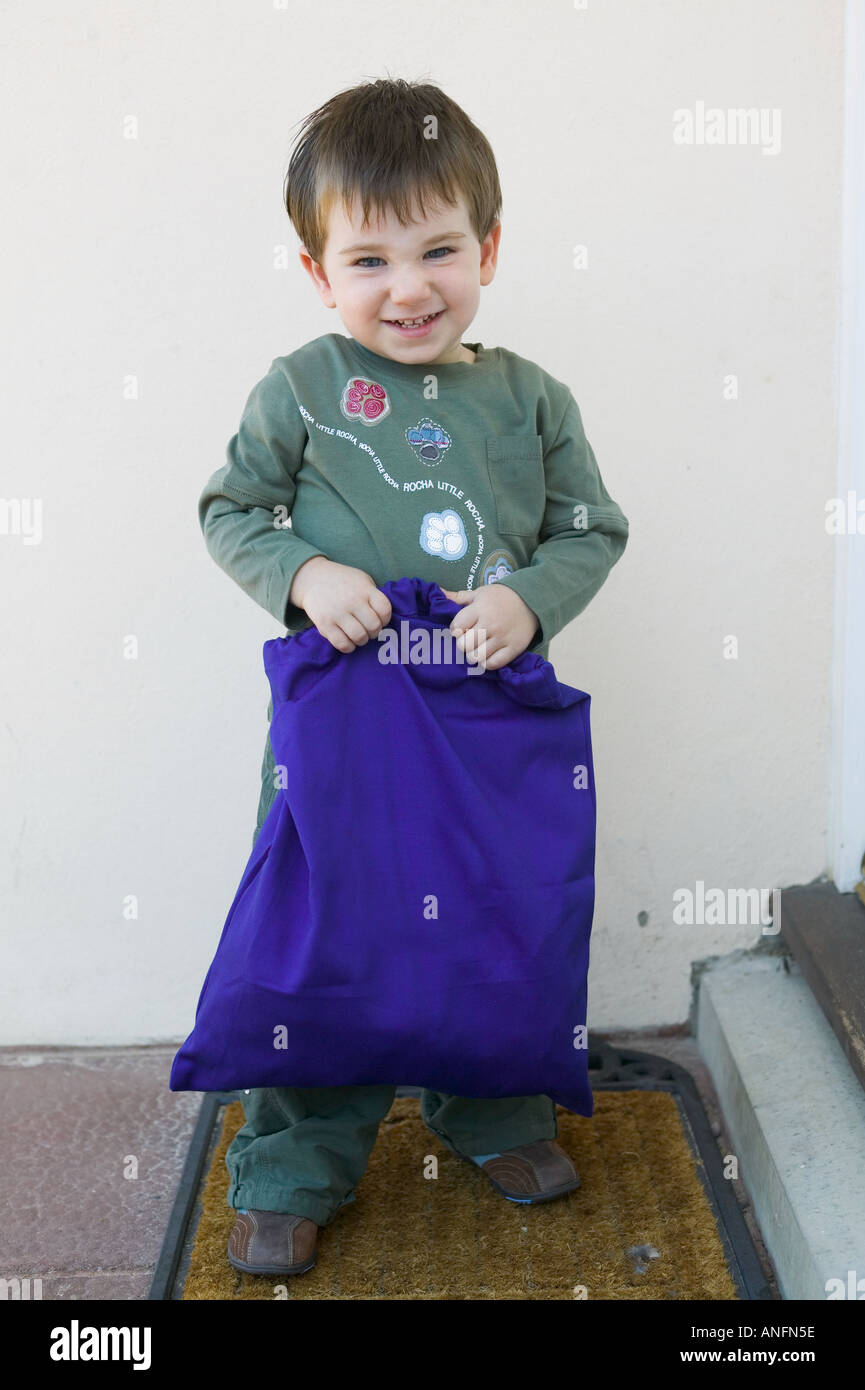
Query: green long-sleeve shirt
[(459, 473)]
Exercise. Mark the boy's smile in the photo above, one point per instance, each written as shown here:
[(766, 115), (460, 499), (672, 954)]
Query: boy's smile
[(410, 292), (417, 327)]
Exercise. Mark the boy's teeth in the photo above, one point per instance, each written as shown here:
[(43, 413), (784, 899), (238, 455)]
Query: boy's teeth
[(413, 323)]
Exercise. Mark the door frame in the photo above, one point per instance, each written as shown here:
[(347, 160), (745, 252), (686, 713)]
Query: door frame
[(847, 756)]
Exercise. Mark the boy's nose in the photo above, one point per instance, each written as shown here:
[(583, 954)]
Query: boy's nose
[(409, 294)]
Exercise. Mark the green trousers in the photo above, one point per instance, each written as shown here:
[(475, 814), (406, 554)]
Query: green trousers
[(305, 1149)]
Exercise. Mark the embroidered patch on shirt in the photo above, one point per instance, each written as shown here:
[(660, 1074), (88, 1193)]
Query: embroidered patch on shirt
[(364, 400), (499, 564), (443, 534), (429, 440)]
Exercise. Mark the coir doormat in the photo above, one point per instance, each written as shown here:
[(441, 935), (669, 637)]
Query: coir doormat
[(654, 1217)]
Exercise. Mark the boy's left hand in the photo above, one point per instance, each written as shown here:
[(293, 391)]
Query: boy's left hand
[(495, 625)]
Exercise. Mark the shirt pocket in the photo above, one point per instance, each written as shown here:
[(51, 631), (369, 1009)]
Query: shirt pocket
[(515, 463)]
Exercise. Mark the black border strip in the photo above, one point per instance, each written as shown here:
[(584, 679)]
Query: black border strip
[(164, 1275)]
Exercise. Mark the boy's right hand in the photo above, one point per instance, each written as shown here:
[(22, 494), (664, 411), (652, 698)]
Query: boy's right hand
[(344, 604)]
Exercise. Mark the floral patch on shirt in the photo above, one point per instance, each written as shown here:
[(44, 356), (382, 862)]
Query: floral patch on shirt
[(499, 564)]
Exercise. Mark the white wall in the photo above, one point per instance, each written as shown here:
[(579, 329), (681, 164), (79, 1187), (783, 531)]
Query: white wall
[(154, 257)]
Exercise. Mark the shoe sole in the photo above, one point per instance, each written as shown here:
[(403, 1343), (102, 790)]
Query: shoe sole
[(538, 1196), (270, 1269), (532, 1201)]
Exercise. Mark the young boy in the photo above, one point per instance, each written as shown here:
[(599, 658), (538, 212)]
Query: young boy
[(400, 451)]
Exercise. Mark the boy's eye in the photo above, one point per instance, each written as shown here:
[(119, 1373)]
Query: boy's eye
[(365, 259)]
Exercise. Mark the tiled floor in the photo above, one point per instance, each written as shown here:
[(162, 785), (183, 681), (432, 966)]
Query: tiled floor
[(91, 1150)]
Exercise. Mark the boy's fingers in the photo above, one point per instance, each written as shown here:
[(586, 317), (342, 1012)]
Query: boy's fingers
[(369, 618), (489, 652), (497, 657), (354, 629), (484, 644), (461, 622), (471, 641), (337, 638), (471, 636), (381, 605)]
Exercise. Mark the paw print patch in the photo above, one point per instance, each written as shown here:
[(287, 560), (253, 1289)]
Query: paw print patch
[(428, 440), (364, 400), (443, 534)]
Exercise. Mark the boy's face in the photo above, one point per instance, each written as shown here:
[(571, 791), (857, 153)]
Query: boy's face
[(384, 272)]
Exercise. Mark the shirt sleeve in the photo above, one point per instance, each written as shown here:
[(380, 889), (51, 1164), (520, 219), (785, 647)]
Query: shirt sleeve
[(245, 505), (583, 533)]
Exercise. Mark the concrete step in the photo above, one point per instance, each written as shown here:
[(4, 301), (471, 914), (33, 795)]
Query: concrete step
[(795, 1113)]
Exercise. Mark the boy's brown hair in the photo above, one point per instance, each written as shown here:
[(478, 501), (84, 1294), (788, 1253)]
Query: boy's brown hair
[(371, 142)]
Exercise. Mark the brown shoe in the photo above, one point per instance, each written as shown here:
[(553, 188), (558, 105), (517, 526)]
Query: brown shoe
[(272, 1242), (535, 1172)]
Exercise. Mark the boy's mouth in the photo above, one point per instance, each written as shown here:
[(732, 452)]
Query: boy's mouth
[(415, 327)]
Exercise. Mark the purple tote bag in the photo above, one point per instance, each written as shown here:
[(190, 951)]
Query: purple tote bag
[(417, 906)]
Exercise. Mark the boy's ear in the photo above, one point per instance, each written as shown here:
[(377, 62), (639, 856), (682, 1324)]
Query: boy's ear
[(490, 253), (318, 277)]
